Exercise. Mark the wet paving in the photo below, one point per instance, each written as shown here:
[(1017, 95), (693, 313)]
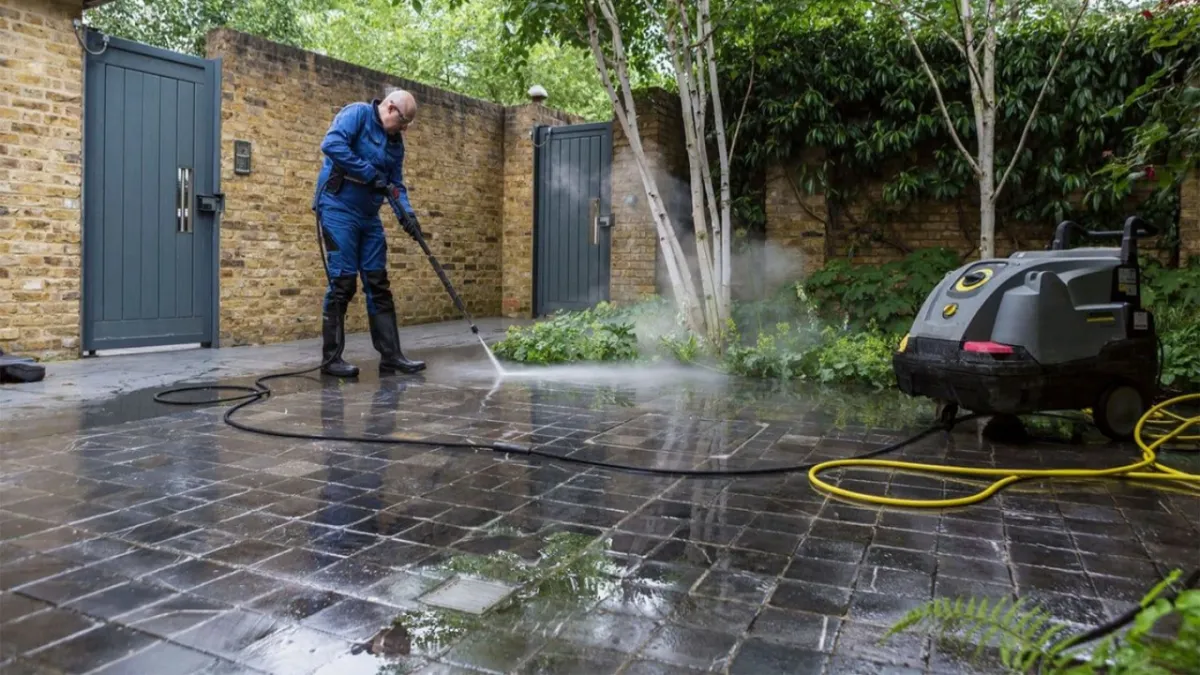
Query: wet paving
[(169, 542)]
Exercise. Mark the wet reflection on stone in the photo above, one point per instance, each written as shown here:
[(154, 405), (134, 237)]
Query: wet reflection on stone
[(172, 543)]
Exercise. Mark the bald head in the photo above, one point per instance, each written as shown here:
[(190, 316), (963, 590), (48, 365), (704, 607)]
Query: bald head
[(397, 111)]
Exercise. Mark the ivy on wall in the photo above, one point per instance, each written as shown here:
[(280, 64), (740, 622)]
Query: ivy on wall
[(851, 89)]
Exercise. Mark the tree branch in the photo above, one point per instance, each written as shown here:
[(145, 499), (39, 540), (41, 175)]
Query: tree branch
[(1033, 113), (800, 198), (937, 91), (962, 49), (703, 39), (741, 114)]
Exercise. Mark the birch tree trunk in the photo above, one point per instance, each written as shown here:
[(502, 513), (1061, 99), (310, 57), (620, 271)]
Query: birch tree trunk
[(691, 103), (987, 137), (625, 110), (982, 76), (724, 232), (688, 30)]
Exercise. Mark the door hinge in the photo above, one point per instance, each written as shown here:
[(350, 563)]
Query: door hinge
[(214, 203)]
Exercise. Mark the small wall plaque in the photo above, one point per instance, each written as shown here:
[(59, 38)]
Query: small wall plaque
[(241, 157)]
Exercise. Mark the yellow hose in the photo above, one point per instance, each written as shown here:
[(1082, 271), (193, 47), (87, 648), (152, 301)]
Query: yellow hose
[(1159, 414)]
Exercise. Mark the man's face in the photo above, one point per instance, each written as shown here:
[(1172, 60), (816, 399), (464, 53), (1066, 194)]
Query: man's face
[(395, 120)]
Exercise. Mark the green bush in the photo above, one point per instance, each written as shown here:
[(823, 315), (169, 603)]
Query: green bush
[(781, 354), (1173, 295), (865, 358), (888, 295), (785, 305), (827, 356), (599, 334), (839, 326)]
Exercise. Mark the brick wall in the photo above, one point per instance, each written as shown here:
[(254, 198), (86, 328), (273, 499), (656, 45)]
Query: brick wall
[(1189, 217), (637, 267), (795, 224), (41, 77), (282, 100), (807, 229), (517, 252)]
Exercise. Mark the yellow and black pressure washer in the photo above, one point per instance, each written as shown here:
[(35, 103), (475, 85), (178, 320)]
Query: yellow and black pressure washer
[(1061, 329)]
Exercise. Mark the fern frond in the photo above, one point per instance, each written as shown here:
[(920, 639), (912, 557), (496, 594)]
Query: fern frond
[(1024, 636)]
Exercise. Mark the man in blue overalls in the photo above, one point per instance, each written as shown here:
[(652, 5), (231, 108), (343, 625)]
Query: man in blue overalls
[(364, 158)]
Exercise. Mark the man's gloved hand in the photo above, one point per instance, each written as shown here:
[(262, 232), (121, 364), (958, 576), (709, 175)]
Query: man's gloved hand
[(411, 226), (380, 185)]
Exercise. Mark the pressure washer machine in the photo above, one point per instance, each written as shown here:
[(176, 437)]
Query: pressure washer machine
[(1060, 329)]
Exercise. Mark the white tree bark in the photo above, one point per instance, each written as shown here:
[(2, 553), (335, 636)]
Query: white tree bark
[(982, 77), (724, 228), (625, 111), (693, 56), (690, 102), (985, 107)]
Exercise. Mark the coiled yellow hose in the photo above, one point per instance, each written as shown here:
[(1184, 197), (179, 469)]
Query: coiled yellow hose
[(1157, 415)]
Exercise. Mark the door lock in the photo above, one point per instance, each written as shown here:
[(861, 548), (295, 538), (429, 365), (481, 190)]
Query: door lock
[(211, 203)]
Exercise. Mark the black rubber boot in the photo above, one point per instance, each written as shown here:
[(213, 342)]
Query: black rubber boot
[(385, 334), (333, 334)]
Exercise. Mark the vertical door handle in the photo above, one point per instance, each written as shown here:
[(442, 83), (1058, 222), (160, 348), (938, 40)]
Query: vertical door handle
[(594, 216), (184, 199)]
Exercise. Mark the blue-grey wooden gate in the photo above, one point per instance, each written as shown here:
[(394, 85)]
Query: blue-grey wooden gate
[(572, 215), (150, 197)]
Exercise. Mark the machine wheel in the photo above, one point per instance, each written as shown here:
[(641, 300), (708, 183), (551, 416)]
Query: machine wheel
[(945, 413), (1118, 410)]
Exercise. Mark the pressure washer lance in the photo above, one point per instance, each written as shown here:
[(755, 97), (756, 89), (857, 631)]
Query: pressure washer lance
[(437, 266)]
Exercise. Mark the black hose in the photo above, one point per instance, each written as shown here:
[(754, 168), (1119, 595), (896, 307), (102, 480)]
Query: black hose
[(1106, 629), (260, 392)]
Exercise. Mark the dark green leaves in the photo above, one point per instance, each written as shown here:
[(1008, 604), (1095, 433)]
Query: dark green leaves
[(852, 87)]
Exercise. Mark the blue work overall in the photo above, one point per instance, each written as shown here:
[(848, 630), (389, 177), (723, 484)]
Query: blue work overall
[(357, 146), (358, 152)]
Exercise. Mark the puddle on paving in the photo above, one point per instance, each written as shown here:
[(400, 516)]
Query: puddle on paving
[(570, 573), (664, 388), (583, 599)]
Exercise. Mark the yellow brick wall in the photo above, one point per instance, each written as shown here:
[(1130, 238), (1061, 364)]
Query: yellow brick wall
[(636, 257), (808, 230), (41, 79), (1189, 217), (282, 101), (795, 223)]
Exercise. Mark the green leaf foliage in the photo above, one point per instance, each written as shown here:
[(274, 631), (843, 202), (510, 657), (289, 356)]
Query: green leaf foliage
[(844, 92), (183, 25), (567, 337), (1165, 145), (1030, 640), (888, 295), (460, 46), (1173, 295)]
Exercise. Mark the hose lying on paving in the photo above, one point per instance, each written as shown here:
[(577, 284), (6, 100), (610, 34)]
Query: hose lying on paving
[(260, 391), (1158, 414)]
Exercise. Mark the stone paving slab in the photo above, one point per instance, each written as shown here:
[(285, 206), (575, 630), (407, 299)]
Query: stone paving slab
[(177, 544), (93, 380)]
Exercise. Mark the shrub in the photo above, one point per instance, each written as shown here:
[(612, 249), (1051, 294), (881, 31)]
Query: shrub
[(888, 295), (1173, 295), (785, 305), (826, 356), (864, 358), (782, 354), (599, 334)]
